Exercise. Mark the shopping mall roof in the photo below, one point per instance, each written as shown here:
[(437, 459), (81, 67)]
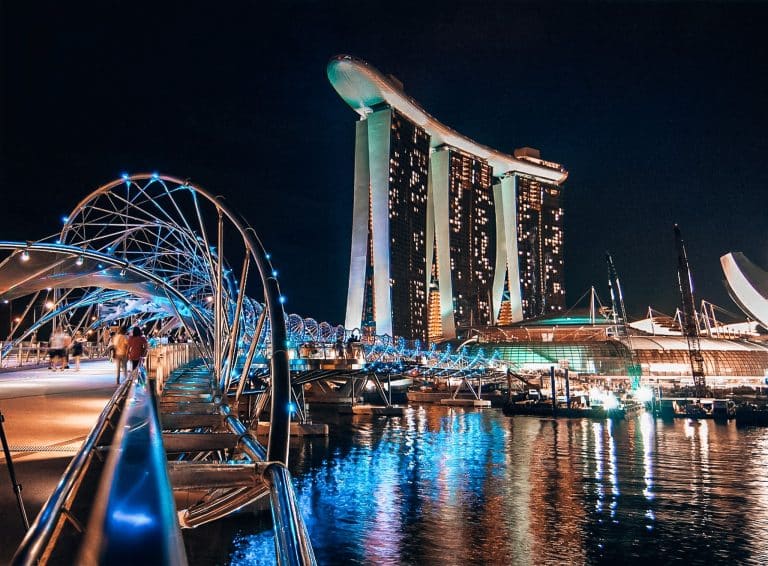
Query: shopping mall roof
[(707, 344)]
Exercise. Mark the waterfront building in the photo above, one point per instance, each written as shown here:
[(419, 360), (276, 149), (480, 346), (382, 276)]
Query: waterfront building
[(441, 224), (588, 347)]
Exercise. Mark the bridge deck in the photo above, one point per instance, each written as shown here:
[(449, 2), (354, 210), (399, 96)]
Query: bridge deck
[(47, 417)]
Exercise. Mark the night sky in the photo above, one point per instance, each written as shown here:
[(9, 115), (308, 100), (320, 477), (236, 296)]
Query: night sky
[(658, 112)]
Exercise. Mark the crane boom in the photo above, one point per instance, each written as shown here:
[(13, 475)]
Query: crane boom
[(689, 321), (620, 320)]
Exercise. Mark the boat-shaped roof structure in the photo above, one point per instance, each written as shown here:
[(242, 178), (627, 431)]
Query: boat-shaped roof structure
[(364, 88)]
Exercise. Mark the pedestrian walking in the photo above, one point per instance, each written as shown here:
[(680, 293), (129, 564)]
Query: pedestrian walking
[(137, 348), (120, 352), (77, 348), (57, 349)]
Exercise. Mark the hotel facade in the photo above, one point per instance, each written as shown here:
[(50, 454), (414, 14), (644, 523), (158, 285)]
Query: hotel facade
[(446, 233)]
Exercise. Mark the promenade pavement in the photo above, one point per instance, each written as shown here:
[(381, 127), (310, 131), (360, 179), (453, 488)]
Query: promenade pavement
[(47, 416)]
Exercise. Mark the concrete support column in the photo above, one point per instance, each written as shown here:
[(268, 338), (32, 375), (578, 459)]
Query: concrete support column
[(439, 165), (359, 254), (507, 260), (379, 127)]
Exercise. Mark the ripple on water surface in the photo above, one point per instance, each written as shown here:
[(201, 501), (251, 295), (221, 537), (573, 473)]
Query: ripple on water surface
[(448, 486)]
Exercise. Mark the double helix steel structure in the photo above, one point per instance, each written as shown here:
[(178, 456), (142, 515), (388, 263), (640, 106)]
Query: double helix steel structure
[(150, 249)]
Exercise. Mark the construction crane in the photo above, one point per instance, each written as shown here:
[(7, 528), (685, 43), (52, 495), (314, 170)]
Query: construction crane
[(688, 319), (620, 320)]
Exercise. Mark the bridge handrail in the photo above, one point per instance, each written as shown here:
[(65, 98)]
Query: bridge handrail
[(134, 518), (39, 535), (293, 546), (292, 543), (165, 358)]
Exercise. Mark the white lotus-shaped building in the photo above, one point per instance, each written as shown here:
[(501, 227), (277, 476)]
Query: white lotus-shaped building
[(748, 285)]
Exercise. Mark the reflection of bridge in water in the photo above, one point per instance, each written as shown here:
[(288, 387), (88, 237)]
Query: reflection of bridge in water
[(164, 254)]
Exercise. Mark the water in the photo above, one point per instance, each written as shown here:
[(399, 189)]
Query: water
[(448, 486)]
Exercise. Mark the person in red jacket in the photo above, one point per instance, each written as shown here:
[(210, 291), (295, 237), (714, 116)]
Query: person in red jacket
[(137, 348)]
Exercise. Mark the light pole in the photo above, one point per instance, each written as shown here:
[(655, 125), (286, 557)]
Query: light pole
[(10, 315)]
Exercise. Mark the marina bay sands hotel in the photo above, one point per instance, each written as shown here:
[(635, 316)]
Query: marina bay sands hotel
[(446, 233)]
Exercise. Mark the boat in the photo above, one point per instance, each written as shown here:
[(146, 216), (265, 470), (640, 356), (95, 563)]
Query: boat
[(751, 414), (696, 408), (544, 408)]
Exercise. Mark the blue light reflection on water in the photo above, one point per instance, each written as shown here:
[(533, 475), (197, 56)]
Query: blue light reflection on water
[(447, 486)]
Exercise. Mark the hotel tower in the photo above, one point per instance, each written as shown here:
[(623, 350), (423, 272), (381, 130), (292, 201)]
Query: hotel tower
[(447, 234)]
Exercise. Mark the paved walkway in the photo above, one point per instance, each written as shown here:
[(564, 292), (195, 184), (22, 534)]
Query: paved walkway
[(47, 417)]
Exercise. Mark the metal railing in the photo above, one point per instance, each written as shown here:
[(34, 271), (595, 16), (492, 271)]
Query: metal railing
[(293, 546), (134, 517), (36, 353), (165, 358)]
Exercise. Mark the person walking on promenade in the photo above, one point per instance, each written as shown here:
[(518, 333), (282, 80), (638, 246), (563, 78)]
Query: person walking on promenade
[(56, 349), (77, 348), (120, 352), (65, 350), (137, 348)]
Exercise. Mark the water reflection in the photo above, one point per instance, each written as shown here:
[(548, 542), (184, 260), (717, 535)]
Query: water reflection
[(448, 486)]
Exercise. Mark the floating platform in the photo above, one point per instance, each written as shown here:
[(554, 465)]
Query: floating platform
[(297, 429), (425, 396), (696, 408), (437, 397), (379, 410), (331, 400), (478, 403), (545, 410)]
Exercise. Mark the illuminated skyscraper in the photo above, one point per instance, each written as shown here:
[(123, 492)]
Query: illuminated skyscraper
[(425, 202), (461, 224), (540, 243), (388, 272)]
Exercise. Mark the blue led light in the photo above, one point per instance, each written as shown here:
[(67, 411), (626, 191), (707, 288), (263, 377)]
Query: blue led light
[(65, 219), (282, 300), (137, 519), (274, 273), (268, 255), (124, 176), (291, 407), (155, 175)]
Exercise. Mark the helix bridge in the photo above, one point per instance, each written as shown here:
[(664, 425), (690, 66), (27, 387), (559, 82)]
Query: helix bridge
[(167, 255)]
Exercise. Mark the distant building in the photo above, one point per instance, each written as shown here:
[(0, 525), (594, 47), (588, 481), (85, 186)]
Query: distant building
[(447, 233)]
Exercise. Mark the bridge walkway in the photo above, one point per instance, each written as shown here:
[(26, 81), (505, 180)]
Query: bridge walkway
[(47, 417)]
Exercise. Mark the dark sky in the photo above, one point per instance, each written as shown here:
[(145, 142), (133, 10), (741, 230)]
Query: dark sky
[(658, 112)]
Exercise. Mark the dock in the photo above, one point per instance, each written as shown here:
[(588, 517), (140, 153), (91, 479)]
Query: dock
[(477, 403), (378, 410)]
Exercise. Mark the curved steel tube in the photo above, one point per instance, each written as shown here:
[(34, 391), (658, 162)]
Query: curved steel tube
[(221, 507), (250, 445)]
